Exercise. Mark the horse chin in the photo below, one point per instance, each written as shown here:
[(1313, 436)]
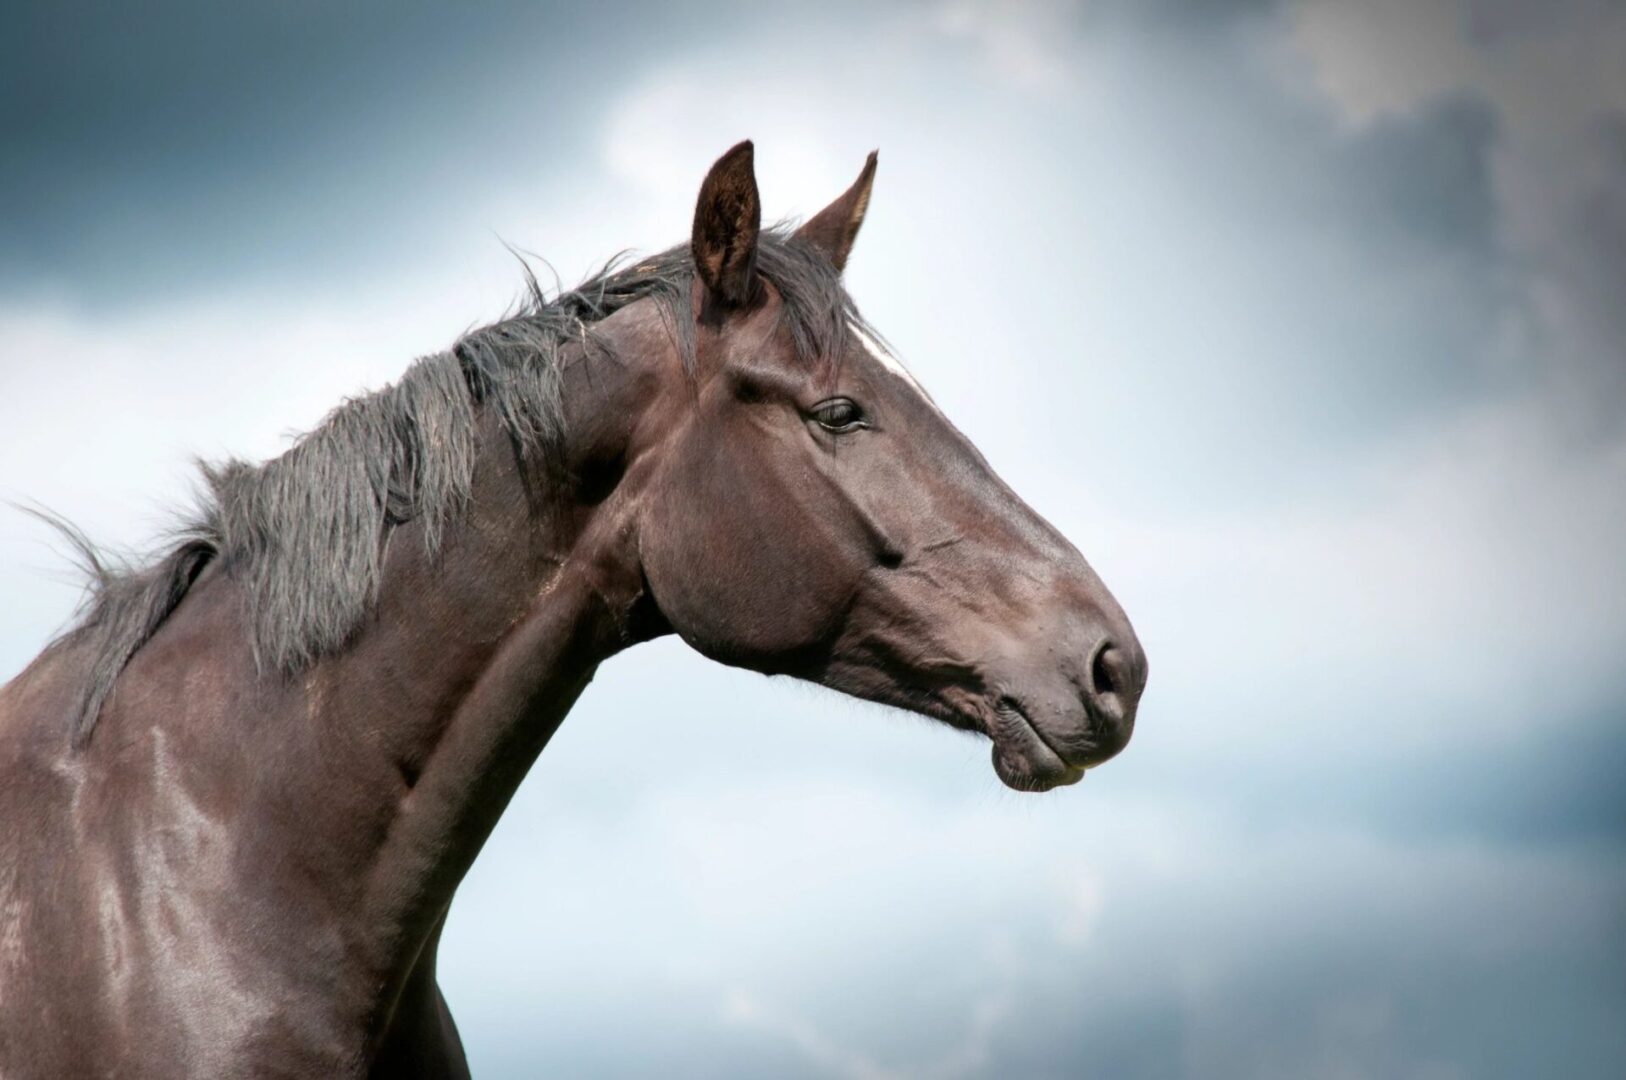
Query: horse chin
[(1022, 772), (1023, 760)]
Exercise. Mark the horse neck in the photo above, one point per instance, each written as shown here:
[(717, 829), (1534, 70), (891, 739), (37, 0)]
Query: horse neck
[(487, 648), (434, 714)]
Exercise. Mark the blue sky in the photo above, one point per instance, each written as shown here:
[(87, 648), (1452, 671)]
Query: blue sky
[(1303, 320)]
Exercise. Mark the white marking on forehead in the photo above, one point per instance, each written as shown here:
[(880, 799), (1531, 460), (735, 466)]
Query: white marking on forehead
[(884, 355)]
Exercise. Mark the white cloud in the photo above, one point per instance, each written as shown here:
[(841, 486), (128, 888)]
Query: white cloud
[(830, 1058), (1402, 609), (1375, 58), (664, 134), (1552, 78), (815, 911), (1383, 57), (1031, 43)]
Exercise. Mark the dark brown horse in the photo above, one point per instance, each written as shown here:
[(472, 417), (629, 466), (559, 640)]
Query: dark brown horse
[(236, 800)]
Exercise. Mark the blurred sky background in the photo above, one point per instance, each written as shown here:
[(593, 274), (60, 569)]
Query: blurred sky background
[(1305, 321)]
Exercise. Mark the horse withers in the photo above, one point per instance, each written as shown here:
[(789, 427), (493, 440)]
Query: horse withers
[(237, 797)]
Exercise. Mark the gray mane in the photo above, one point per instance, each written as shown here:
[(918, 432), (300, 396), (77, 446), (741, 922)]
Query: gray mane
[(305, 533)]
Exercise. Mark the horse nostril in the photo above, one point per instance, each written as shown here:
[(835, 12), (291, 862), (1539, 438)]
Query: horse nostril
[(1109, 674), (1117, 675)]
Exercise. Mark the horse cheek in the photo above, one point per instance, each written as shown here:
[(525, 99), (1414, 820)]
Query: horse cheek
[(743, 575)]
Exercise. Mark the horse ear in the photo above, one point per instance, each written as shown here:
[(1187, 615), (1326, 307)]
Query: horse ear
[(726, 222), (833, 229)]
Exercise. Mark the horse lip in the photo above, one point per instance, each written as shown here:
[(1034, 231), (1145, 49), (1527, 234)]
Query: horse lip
[(1011, 705), (1058, 770)]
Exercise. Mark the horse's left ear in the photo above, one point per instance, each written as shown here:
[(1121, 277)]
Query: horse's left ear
[(833, 229)]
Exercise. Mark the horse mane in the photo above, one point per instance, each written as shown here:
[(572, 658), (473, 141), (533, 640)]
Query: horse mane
[(305, 533)]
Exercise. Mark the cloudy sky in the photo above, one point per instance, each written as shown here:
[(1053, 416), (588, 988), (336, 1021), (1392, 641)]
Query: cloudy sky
[(1306, 321)]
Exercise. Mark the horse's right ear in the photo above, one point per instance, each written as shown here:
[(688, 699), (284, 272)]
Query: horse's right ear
[(727, 219)]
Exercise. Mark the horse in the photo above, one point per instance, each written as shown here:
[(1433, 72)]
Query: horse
[(238, 794)]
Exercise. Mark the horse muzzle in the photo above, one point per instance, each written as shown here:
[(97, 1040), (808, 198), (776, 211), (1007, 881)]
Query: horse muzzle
[(1050, 731)]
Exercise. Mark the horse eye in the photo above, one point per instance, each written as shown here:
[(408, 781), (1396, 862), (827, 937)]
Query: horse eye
[(838, 414)]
